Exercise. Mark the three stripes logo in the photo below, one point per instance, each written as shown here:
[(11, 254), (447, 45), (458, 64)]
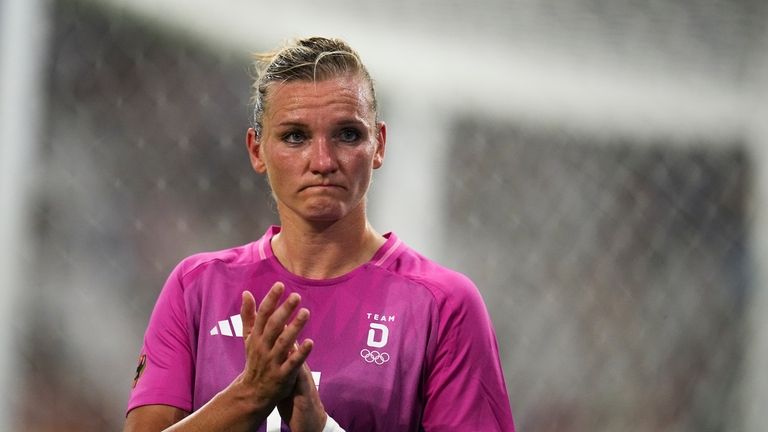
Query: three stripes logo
[(232, 327)]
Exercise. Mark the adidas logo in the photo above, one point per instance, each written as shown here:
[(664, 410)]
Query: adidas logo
[(224, 328)]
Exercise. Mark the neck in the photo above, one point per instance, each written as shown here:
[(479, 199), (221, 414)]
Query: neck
[(325, 249)]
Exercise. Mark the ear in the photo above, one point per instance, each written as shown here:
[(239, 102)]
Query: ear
[(255, 151), (381, 144)]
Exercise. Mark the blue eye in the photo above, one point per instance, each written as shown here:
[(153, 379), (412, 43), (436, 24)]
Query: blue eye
[(349, 135), (294, 137)]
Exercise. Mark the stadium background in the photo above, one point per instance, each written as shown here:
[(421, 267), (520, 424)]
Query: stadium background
[(596, 167)]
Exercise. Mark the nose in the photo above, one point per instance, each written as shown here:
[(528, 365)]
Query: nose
[(322, 158)]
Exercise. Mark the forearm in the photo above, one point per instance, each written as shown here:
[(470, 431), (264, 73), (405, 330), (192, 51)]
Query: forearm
[(236, 408)]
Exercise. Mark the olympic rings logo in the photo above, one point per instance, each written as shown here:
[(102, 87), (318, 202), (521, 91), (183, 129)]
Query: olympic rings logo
[(374, 356)]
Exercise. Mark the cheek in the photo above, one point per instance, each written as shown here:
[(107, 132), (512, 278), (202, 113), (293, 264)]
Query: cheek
[(362, 166), (280, 164), (275, 173), (279, 180), (361, 160)]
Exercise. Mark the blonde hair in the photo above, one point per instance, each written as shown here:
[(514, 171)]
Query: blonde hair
[(310, 59)]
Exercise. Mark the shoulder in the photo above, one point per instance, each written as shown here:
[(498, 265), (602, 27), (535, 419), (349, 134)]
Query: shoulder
[(463, 322), (192, 266), (444, 283)]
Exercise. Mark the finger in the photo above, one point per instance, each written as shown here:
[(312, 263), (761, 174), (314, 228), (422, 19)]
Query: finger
[(267, 306), (276, 322), (305, 379), (298, 357), (248, 313), (306, 371), (286, 341)]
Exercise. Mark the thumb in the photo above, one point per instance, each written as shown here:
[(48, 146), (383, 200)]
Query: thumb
[(248, 314)]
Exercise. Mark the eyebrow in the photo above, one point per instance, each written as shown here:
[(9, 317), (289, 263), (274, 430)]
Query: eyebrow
[(353, 122), (291, 123), (344, 122)]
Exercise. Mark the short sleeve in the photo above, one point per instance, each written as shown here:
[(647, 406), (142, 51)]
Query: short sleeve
[(166, 364), (465, 387)]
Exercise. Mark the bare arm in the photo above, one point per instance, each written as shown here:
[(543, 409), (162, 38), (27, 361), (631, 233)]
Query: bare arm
[(231, 409), (152, 418)]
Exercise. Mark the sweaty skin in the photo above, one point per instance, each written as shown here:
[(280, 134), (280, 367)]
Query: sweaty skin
[(319, 144)]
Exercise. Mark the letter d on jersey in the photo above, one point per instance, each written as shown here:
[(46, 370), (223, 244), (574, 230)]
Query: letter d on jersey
[(383, 335)]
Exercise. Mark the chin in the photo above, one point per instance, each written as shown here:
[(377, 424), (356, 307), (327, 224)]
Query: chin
[(323, 209), (324, 214)]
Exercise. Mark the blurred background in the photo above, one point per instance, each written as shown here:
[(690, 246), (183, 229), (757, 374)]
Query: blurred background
[(597, 167)]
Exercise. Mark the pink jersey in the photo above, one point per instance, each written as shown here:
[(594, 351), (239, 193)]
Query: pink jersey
[(401, 344)]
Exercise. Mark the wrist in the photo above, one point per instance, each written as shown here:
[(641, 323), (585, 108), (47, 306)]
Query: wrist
[(233, 409), (331, 425), (247, 400)]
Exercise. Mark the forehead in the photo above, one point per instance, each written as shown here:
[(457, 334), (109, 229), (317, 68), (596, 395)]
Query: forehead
[(293, 100)]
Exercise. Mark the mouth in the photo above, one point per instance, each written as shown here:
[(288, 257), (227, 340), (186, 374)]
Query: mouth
[(322, 187)]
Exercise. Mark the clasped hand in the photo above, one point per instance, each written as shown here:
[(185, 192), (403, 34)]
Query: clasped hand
[(275, 367)]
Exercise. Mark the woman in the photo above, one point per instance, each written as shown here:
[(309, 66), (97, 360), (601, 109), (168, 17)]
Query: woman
[(397, 342)]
